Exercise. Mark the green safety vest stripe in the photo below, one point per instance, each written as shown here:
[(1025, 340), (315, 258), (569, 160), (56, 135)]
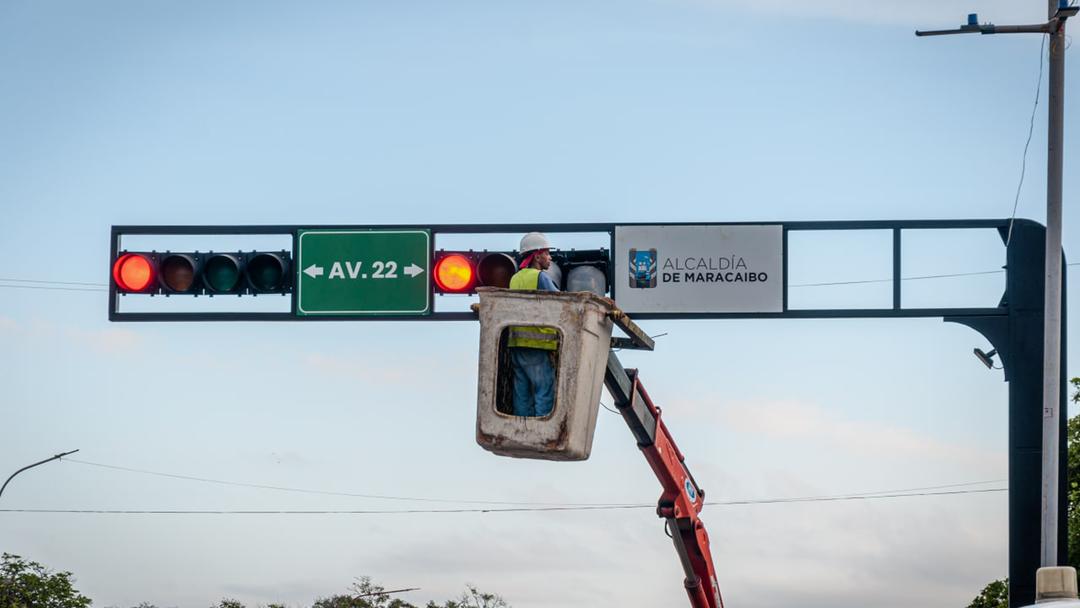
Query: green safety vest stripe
[(544, 338)]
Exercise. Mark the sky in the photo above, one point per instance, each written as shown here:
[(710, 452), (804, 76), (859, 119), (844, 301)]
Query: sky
[(322, 112)]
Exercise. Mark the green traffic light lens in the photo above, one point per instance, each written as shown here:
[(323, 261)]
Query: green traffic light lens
[(222, 273), (265, 272), (178, 273)]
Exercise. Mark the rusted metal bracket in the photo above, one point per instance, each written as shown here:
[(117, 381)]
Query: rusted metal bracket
[(637, 339)]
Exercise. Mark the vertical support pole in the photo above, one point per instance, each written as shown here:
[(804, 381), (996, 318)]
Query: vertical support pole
[(1021, 347), (1051, 392), (784, 266), (896, 269), (114, 251)]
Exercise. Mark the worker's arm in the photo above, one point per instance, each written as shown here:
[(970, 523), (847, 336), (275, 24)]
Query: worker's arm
[(544, 282)]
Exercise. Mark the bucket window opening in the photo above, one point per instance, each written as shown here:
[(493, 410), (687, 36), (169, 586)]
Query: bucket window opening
[(528, 374)]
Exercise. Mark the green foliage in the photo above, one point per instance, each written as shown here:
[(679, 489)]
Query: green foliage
[(364, 594), (26, 584), (994, 595), (1072, 468), (473, 598)]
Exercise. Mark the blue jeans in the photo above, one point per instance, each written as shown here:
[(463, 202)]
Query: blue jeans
[(534, 381)]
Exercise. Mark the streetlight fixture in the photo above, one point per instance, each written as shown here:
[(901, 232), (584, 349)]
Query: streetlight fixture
[(30, 466)]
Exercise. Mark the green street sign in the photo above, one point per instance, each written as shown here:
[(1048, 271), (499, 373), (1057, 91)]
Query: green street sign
[(363, 272)]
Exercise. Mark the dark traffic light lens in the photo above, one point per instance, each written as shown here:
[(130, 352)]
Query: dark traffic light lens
[(178, 273), (265, 272), (495, 270), (222, 273)]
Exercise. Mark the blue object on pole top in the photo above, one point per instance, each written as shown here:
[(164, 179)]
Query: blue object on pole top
[(973, 18), (1063, 4)]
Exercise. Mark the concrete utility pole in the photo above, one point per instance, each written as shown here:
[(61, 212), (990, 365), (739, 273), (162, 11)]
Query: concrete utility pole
[(1052, 335), (1057, 12)]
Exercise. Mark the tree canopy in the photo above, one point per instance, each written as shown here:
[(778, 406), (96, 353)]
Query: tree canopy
[(26, 584)]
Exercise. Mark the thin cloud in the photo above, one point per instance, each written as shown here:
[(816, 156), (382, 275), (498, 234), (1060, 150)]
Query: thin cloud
[(109, 341), (916, 14), (806, 422), (383, 370)]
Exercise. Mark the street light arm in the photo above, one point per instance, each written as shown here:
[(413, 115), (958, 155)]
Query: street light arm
[(990, 28), (30, 466), (1056, 22), (963, 30)]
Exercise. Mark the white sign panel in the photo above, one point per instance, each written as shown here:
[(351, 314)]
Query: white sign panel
[(706, 269)]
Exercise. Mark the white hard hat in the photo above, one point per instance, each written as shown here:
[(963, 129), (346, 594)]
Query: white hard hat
[(534, 241)]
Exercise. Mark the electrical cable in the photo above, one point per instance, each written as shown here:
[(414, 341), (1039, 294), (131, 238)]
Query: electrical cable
[(724, 503), (892, 492), (1031, 129), (929, 276), (53, 282), (95, 289), (916, 278), (331, 492), (855, 282)]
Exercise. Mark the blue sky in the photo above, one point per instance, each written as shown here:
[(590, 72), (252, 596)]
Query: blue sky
[(634, 111)]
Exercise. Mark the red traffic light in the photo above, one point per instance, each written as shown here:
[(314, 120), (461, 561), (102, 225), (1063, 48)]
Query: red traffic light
[(464, 271), (454, 273), (133, 272)]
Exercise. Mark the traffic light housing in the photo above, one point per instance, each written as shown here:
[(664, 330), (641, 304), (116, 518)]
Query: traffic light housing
[(461, 272), (196, 273), (584, 270)]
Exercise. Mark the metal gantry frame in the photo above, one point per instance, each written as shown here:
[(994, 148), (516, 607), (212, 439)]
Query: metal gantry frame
[(896, 310), (1014, 327)]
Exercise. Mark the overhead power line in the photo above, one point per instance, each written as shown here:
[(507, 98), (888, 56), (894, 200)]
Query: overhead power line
[(722, 503), (53, 282), (918, 278), (1027, 144), (99, 287), (94, 289), (518, 505), (336, 493)]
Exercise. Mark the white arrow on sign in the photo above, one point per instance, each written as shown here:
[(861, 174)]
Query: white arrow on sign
[(313, 271), (412, 270)]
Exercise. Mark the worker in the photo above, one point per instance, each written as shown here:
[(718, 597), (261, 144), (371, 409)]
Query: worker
[(533, 349)]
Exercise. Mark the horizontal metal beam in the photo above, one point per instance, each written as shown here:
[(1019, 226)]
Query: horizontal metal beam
[(559, 227), (875, 313)]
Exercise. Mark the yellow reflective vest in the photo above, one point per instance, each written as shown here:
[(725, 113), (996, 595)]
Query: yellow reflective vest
[(544, 338)]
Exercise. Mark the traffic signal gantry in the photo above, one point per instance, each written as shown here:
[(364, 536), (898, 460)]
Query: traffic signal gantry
[(651, 271)]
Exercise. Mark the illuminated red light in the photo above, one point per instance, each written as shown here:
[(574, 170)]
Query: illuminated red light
[(133, 272), (454, 273)]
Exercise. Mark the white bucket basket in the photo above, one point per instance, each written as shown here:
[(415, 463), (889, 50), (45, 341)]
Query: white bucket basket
[(584, 327)]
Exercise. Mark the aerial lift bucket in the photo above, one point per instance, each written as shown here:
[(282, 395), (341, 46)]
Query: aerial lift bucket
[(583, 323)]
